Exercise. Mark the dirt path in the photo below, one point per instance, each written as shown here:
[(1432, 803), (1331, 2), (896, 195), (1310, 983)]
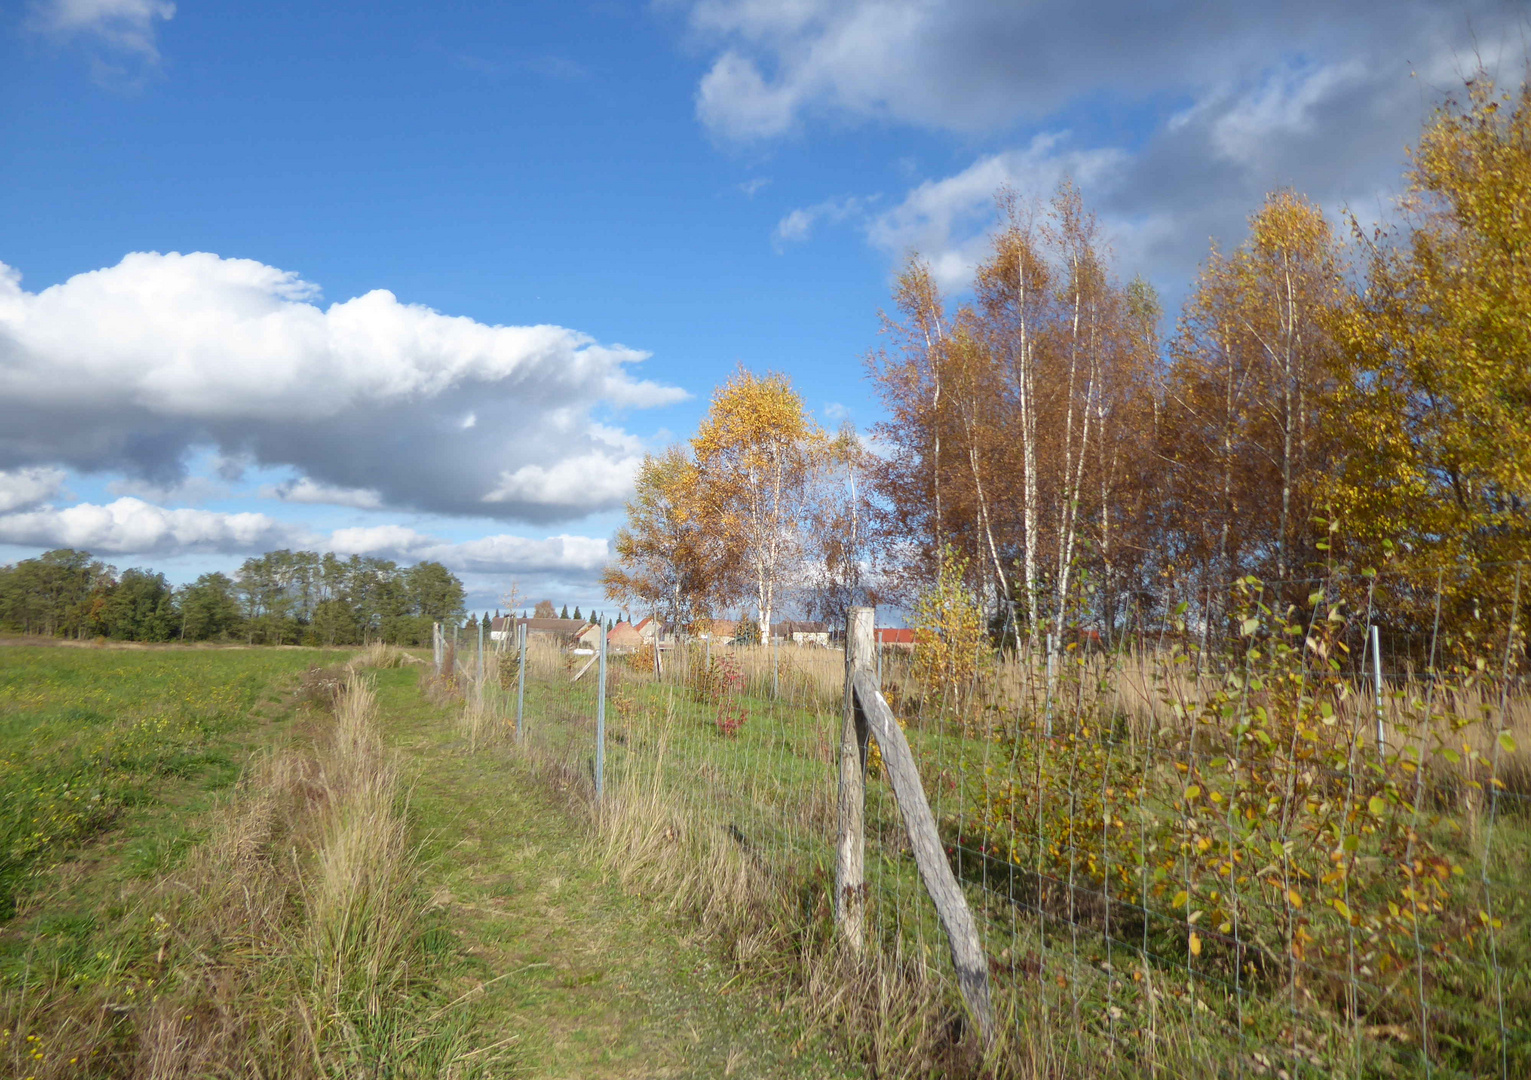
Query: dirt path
[(588, 981)]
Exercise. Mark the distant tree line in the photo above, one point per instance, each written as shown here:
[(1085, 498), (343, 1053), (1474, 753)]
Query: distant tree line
[(280, 598)]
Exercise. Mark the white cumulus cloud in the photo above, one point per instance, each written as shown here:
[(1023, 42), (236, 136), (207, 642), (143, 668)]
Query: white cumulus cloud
[(1309, 94), (128, 25), (504, 554), (132, 526), (131, 367), (21, 488)]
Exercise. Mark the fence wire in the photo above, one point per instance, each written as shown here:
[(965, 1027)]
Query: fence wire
[(1258, 828)]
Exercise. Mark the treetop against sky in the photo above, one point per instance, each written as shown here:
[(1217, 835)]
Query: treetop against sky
[(427, 281)]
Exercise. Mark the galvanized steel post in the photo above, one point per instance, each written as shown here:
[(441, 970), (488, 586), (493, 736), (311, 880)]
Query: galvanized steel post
[(520, 677), (600, 721)]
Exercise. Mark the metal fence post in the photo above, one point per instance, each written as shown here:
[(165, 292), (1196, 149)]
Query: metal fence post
[(1049, 688), (520, 677), (481, 651), (1377, 682), (775, 666), (600, 721)]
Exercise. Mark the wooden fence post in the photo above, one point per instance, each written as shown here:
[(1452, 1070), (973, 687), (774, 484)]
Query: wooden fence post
[(866, 707), (850, 844)]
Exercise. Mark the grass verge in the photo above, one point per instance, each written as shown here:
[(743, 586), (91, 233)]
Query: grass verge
[(599, 979), (296, 940)]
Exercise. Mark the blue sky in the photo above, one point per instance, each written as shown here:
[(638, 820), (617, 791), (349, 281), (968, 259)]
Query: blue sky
[(375, 204)]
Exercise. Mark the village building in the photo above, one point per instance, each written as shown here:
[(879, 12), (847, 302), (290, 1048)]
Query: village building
[(801, 633), (565, 631), (717, 630), (622, 638)]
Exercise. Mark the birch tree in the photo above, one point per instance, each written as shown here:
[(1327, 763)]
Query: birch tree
[(668, 558), (914, 512), (754, 451)]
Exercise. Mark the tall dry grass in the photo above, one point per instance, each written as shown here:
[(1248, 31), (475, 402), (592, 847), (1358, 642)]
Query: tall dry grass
[(771, 914), (311, 896), (293, 943), (1139, 691), (772, 921)]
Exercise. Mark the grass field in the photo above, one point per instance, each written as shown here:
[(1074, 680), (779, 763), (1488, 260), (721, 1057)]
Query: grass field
[(94, 741), (260, 863), (300, 863)]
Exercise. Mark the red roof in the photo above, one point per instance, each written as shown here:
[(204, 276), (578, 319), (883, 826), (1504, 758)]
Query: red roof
[(895, 635)]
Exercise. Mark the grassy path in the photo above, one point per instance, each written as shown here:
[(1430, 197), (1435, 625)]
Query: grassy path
[(588, 981)]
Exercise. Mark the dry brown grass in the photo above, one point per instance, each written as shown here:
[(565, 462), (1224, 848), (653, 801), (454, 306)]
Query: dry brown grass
[(290, 944), (773, 921)]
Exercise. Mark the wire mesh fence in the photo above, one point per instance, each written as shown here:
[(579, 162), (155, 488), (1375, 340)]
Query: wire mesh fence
[(1258, 828)]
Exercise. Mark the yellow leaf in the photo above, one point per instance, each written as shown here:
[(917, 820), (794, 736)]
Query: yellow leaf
[(1195, 944), (1291, 895)]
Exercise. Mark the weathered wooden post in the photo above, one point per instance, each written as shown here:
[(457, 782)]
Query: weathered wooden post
[(850, 844), (868, 713)]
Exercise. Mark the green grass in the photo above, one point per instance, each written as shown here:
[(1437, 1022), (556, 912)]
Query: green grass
[(96, 741), (522, 957), (588, 980), (109, 760)]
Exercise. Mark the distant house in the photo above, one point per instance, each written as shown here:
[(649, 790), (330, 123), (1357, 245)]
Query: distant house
[(565, 631), (896, 637), (717, 630), (589, 637), (647, 629), (622, 638), (801, 633)]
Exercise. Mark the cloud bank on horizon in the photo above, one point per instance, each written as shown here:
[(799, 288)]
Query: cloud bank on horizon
[(1241, 100), (132, 526)]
